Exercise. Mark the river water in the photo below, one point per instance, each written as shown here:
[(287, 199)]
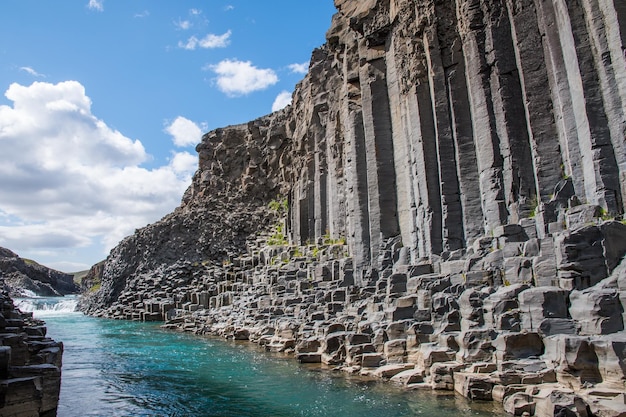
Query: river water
[(119, 368)]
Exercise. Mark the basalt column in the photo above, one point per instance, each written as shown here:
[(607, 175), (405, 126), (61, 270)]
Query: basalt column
[(538, 109), (380, 170), (599, 167), (358, 222), (446, 59), (404, 157), (472, 26)]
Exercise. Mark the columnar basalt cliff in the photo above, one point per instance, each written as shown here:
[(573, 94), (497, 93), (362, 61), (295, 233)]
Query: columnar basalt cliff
[(441, 205), (30, 364)]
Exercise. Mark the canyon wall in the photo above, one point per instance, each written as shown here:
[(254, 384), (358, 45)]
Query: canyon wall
[(440, 121), (444, 196), (436, 121)]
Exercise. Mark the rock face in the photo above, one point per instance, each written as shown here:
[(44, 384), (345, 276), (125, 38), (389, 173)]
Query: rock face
[(30, 364), (17, 275), (440, 205)]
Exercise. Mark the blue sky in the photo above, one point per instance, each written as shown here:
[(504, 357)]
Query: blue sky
[(103, 102)]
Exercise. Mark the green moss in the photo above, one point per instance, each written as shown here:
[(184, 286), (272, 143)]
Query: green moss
[(280, 206)]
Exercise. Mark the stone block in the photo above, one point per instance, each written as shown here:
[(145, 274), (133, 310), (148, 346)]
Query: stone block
[(395, 351), (371, 360), (478, 278), (442, 375), (597, 310), (611, 355), (410, 376), (550, 402), (510, 346), (473, 386), (549, 327), (430, 353), (574, 359), (518, 270), (580, 257), (396, 284), (537, 304), (475, 346), (582, 215), (519, 403), (388, 371)]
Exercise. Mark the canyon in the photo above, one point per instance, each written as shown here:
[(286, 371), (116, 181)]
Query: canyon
[(441, 206)]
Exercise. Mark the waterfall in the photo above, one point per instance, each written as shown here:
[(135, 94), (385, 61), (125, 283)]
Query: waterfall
[(44, 306)]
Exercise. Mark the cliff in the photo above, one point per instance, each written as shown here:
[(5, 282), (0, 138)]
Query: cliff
[(441, 201), (18, 275)]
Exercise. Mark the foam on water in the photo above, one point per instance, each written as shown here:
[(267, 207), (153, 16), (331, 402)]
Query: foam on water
[(47, 306)]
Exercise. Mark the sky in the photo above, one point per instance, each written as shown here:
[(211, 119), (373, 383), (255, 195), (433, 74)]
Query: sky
[(103, 102)]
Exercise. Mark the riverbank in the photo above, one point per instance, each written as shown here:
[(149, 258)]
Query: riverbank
[(30, 364)]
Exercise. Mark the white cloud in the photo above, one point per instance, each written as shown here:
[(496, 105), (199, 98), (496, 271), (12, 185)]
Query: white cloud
[(229, 7), (302, 68), (67, 180), (32, 72), (236, 78), (184, 132), (97, 5), (184, 162), (210, 41), (195, 12), (183, 25), (145, 13), (282, 100)]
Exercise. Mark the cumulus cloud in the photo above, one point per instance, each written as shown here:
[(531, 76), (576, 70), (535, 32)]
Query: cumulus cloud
[(184, 132), (68, 180), (283, 99), (302, 68), (236, 78), (210, 41), (229, 7), (97, 5), (31, 71)]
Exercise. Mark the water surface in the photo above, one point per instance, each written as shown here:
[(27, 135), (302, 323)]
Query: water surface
[(119, 368)]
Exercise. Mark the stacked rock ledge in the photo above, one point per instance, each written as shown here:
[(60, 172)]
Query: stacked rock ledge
[(30, 364)]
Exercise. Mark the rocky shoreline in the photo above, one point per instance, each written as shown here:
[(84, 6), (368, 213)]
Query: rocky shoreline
[(30, 364), (502, 322)]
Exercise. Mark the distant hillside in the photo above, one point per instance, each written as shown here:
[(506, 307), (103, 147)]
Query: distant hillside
[(19, 277)]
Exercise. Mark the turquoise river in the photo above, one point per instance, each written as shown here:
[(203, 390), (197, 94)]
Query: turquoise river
[(119, 368)]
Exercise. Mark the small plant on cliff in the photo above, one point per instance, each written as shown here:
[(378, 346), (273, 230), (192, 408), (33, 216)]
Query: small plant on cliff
[(278, 238), (604, 215), (280, 206), (534, 203)]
